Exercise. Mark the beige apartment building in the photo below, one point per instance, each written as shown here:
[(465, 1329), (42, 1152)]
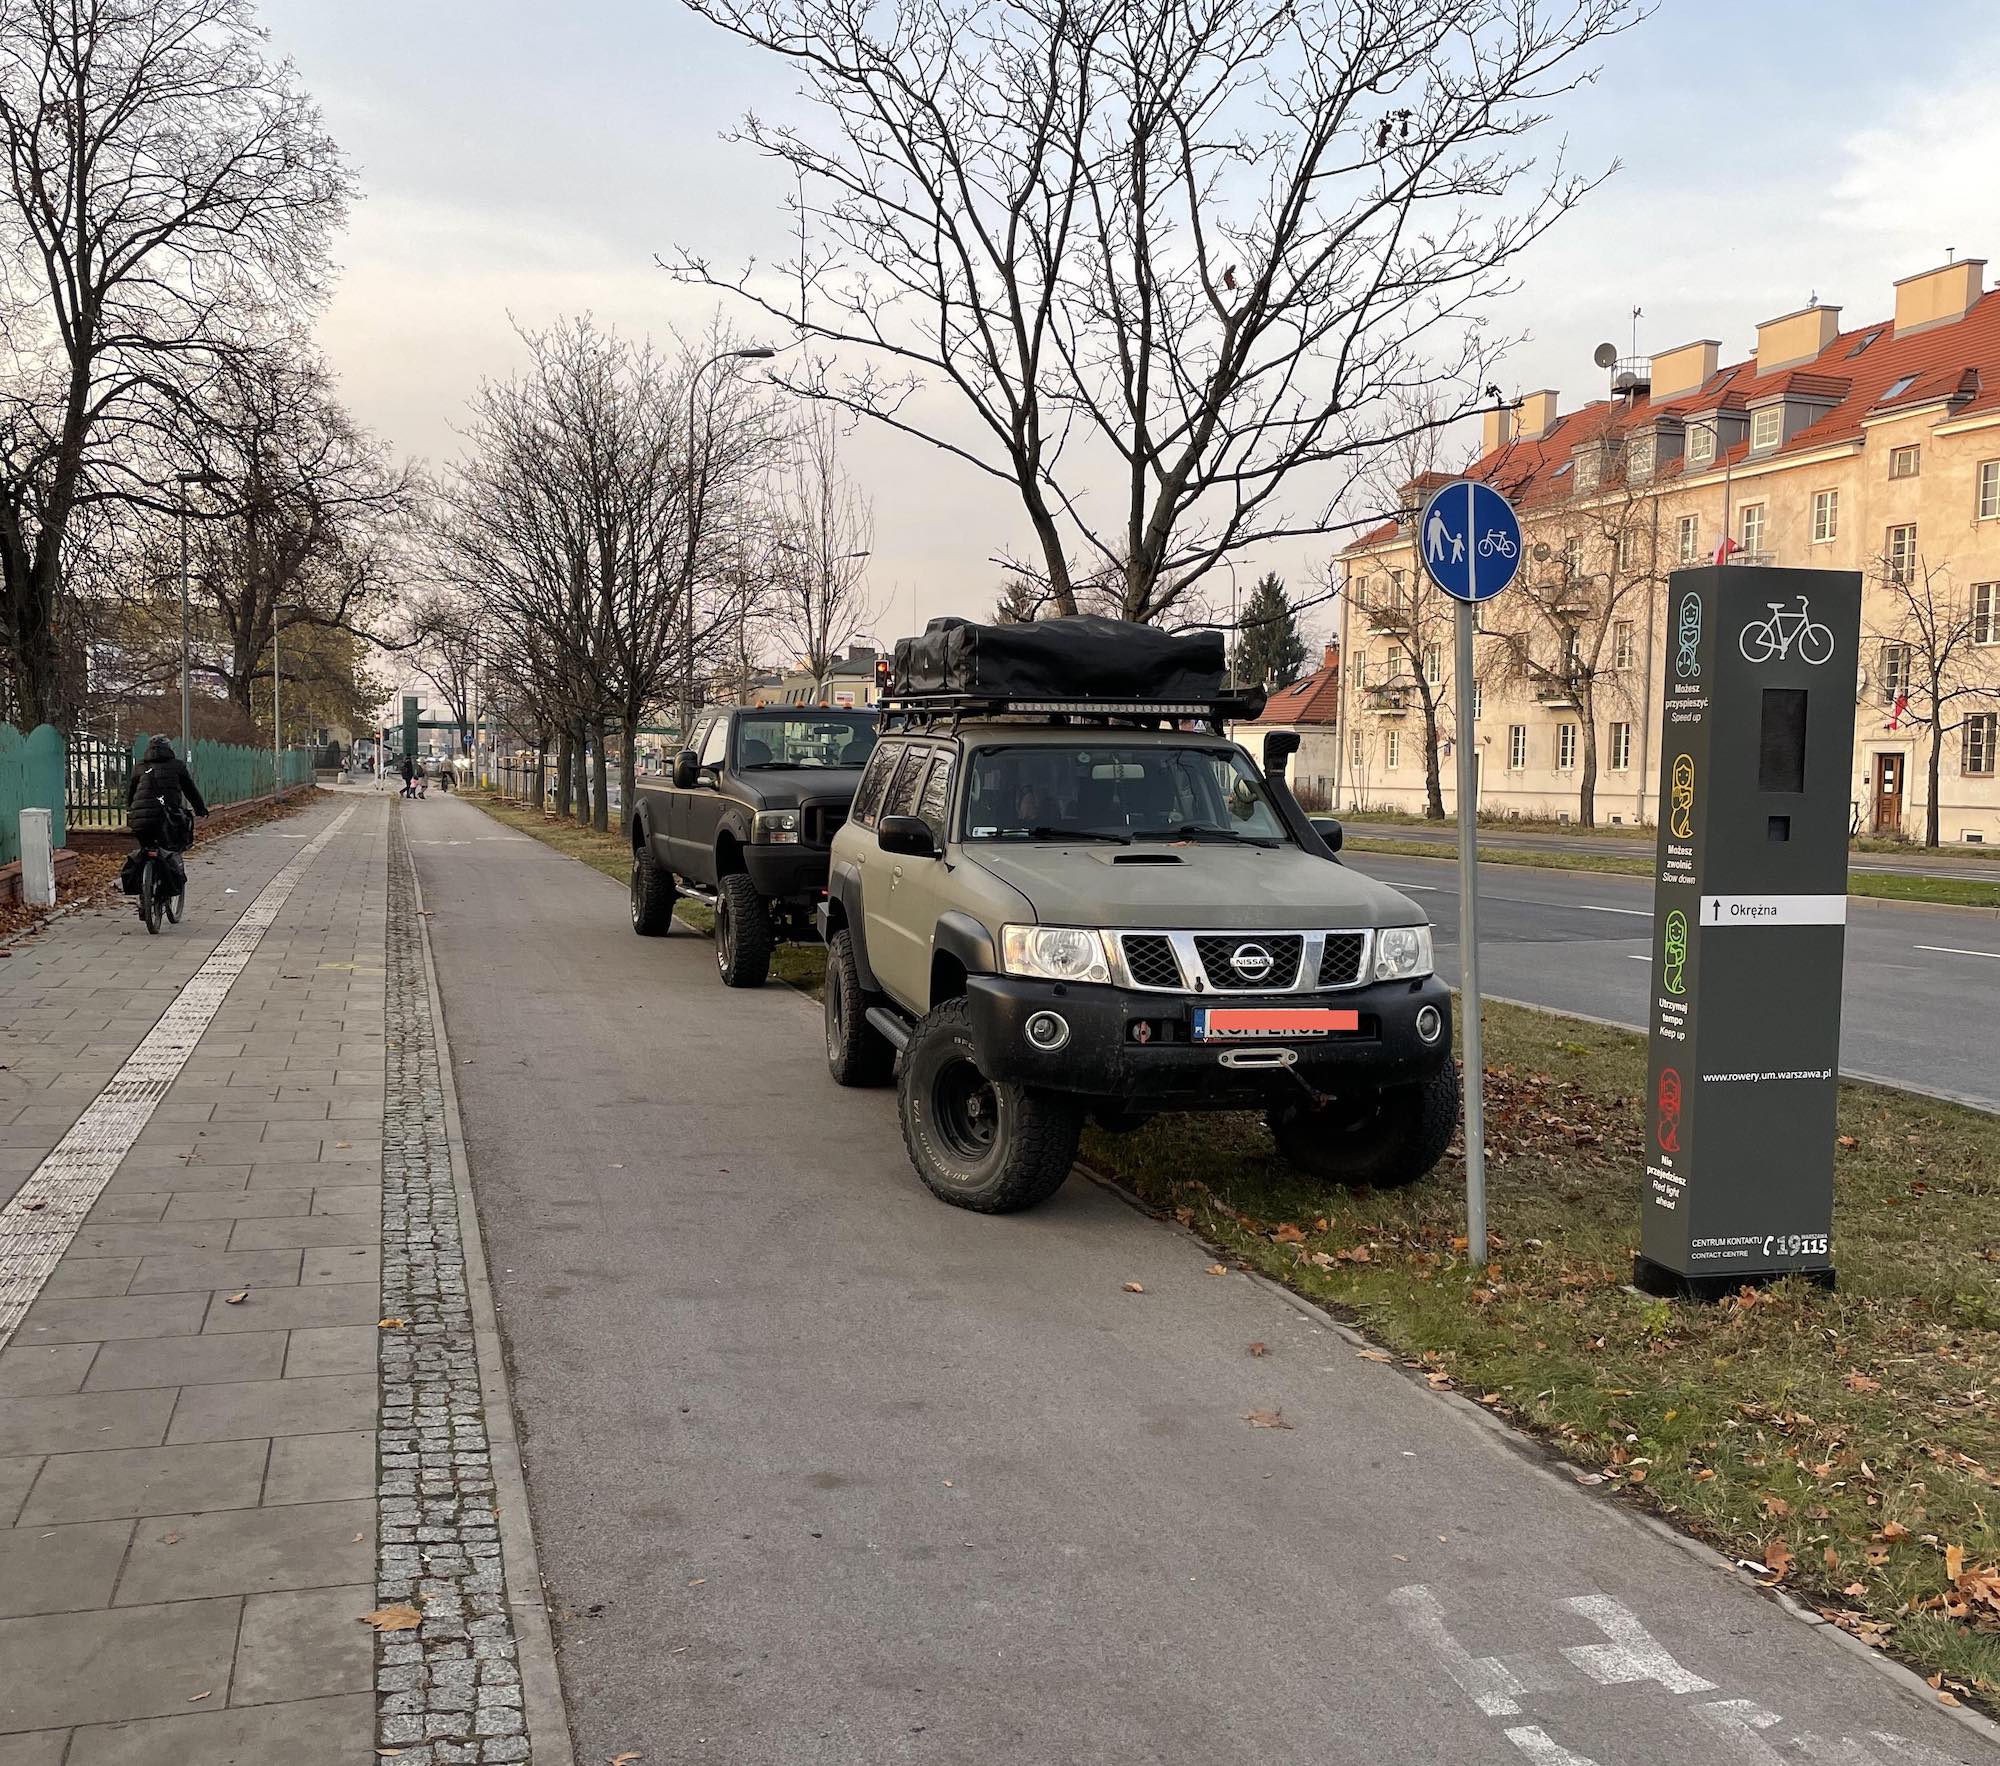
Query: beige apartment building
[(1873, 448)]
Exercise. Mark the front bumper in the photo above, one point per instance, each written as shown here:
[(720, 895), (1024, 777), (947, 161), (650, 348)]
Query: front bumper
[(794, 874), (1103, 1059)]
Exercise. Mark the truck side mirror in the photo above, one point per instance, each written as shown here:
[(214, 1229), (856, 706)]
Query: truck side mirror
[(1328, 829), (907, 837), (687, 769), (1279, 747)]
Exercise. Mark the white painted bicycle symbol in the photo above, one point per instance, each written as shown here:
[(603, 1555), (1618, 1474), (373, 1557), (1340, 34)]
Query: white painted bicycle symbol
[(1771, 640), (1494, 540)]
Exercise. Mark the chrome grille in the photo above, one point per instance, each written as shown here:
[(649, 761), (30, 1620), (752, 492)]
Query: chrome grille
[(1150, 960), (1219, 955), (1340, 961)]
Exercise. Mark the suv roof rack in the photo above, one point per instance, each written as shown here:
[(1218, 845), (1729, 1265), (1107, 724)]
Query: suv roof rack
[(929, 711)]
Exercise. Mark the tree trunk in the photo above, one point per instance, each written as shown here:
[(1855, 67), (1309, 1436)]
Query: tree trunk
[(579, 758), (565, 774), (1935, 769), (1586, 797), (628, 767), (1433, 773), (600, 809)]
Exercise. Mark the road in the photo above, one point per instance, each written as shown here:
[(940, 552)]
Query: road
[(1916, 979), (824, 1473), (1916, 864)]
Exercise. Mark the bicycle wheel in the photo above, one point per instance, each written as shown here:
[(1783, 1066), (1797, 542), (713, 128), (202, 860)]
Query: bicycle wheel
[(149, 896), (1758, 643), (174, 904), (1816, 644)]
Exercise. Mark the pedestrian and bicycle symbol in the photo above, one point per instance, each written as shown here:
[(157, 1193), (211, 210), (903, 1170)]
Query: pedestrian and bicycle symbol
[(1469, 540), (1771, 640)]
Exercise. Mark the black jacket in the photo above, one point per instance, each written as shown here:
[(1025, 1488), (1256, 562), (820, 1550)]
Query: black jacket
[(163, 779)]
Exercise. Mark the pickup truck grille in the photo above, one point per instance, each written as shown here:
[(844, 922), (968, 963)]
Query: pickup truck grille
[(1279, 971), (1150, 960), (1195, 962), (1340, 961), (821, 821)]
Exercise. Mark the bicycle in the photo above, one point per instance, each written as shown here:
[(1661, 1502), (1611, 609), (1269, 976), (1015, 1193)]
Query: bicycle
[(1771, 639), (159, 893), (1494, 541)]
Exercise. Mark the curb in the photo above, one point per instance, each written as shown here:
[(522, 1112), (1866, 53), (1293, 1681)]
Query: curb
[(541, 1686)]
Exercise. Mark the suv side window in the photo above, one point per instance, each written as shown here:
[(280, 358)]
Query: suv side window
[(874, 784), (935, 804), (909, 785), (715, 742)]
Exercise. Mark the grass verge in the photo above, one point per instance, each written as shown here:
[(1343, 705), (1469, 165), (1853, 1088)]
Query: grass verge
[(1846, 1441), (1970, 892)]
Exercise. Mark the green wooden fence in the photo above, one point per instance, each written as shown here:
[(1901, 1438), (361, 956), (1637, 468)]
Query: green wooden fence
[(228, 772), (31, 777)]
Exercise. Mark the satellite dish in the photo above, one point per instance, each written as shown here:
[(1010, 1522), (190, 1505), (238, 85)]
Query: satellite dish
[(1541, 551), (1605, 355)]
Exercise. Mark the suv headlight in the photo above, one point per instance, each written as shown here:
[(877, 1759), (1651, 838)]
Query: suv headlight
[(776, 827), (1402, 953), (1055, 953)]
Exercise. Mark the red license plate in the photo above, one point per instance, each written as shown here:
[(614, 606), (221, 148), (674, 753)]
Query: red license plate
[(1254, 1023)]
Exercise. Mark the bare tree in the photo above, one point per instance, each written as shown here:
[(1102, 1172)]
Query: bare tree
[(1197, 255), (446, 647), (821, 529), (1940, 658), (166, 188)]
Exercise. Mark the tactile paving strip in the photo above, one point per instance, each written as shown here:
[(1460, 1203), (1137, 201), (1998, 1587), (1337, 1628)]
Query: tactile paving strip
[(37, 1225)]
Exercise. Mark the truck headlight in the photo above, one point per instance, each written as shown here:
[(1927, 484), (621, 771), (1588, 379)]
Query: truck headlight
[(776, 827), (1055, 953), (1402, 953)]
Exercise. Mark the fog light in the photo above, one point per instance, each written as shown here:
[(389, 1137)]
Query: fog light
[(1048, 1031), (1430, 1024)]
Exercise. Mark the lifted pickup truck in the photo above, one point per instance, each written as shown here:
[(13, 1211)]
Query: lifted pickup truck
[(746, 824), (1043, 911)]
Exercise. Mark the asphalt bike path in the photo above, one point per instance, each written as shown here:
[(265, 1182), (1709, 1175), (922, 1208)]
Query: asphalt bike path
[(1916, 978), (824, 1471)]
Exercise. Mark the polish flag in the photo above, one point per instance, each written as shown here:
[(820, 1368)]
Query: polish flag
[(1896, 715), (1723, 551)]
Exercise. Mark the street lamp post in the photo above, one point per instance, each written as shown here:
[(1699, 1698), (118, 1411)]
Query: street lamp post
[(277, 715), (186, 480), (1728, 472), (756, 353)]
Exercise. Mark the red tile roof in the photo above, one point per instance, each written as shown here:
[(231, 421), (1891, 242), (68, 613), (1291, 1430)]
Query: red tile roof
[(1313, 699), (1959, 361)]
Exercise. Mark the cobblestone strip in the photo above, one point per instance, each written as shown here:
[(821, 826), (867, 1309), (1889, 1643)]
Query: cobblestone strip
[(450, 1690)]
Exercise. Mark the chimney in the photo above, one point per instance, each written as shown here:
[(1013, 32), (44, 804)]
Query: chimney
[(1798, 337), (1332, 657), (1937, 297), (1538, 414), (1685, 368), (1496, 430)]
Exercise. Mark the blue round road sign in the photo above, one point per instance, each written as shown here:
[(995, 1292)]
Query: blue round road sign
[(1469, 540)]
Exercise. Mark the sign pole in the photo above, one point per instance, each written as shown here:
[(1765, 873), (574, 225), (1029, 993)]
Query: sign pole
[(1468, 948)]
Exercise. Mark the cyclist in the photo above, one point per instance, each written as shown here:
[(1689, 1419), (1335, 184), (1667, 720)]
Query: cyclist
[(159, 798)]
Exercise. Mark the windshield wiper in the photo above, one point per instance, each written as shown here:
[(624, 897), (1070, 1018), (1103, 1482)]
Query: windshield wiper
[(1044, 832), (1207, 831)]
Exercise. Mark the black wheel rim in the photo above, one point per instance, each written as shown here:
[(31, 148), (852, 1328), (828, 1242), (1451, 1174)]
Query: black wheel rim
[(966, 1110)]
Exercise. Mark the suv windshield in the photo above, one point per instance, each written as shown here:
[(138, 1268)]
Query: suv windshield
[(1112, 791), (811, 737)]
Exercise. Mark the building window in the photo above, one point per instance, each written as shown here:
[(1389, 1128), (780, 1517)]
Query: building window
[(1395, 587), (1394, 754), (1628, 548), (1565, 746), (1621, 747), (1905, 461), (1700, 446), (1982, 735), (1895, 672), (1589, 469), (1361, 672), (1989, 490), (1354, 751), (1478, 700), (1433, 663), (1900, 554), (1767, 426), (1986, 613), (1623, 644), (1751, 537), (1517, 747), (1826, 516), (1687, 538), (1639, 460)]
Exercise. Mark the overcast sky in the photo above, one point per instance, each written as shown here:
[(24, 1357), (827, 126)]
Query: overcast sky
[(529, 160)]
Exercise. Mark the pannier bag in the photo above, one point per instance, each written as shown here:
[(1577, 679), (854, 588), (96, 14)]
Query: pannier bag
[(129, 872), (1080, 657)]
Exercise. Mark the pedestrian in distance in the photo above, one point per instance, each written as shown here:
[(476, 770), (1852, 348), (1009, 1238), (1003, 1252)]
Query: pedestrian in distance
[(409, 776), (423, 780)]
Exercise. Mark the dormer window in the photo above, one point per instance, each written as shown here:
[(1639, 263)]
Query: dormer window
[(1700, 446), (1767, 427), (1589, 469), (1639, 461)]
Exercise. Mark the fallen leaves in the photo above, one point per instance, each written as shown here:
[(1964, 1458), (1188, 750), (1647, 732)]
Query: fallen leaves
[(1289, 1234), (236, 1299), (1891, 1531), (1216, 1269), (400, 1617), (1778, 1558), (1373, 1355), (1135, 1287), (1259, 1349), (390, 1324), (1266, 1419), (1856, 1381), (198, 1697), (626, 1758)]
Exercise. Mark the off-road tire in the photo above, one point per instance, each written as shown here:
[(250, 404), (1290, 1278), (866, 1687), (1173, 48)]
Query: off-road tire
[(856, 1052), (1379, 1140), (742, 933), (1033, 1134), (652, 894)]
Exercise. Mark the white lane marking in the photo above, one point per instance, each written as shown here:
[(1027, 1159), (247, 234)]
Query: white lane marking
[(1582, 907), (1633, 956), (1590, 907), (1544, 1749), (1487, 1680), (1735, 1723), (1952, 950), (1633, 1654), (38, 1225)]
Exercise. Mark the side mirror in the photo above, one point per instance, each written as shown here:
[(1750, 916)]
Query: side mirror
[(907, 837), (1328, 829), (687, 768), (1279, 747)]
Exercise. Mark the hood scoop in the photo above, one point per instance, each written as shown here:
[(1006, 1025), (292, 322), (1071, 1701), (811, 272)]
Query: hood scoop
[(1146, 858)]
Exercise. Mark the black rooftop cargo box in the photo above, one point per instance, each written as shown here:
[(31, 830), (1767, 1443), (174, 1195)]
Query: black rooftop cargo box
[(1081, 657)]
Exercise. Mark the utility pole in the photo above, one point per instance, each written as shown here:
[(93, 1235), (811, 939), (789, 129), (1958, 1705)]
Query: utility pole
[(185, 480)]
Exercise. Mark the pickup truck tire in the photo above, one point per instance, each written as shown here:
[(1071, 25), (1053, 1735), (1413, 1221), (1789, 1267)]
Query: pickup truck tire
[(977, 1144), (652, 895), (1381, 1140), (742, 933), (856, 1052)]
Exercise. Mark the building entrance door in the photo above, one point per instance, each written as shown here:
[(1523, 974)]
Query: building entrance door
[(1888, 817)]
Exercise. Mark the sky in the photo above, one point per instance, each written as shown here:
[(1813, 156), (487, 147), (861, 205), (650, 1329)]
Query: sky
[(523, 161)]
